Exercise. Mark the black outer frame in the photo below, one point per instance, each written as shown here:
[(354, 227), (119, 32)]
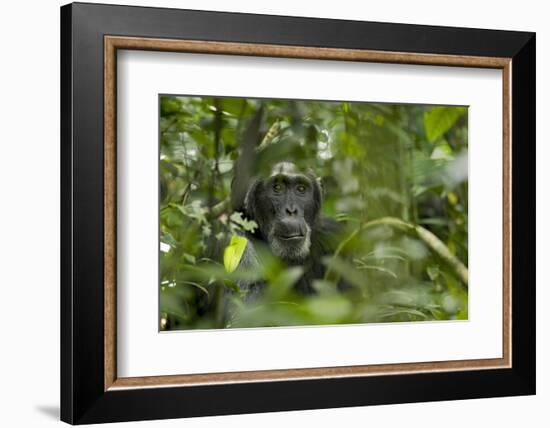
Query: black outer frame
[(83, 399)]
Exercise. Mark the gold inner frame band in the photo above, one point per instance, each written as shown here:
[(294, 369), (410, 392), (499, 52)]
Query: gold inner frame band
[(113, 43)]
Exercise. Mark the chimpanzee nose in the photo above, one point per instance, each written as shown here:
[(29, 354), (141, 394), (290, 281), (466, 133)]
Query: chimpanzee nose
[(291, 210)]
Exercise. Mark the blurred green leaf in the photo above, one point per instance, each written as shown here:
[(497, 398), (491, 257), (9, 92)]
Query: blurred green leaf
[(433, 271), (233, 252), (438, 120), (328, 310)]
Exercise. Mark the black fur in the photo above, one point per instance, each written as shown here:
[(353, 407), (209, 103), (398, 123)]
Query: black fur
[(292, 209)]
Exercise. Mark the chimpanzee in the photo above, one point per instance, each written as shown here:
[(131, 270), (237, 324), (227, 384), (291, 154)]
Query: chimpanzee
[(286, 206)]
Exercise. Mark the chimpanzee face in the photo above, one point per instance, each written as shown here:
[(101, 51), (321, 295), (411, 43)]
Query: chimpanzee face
[(285, 205)]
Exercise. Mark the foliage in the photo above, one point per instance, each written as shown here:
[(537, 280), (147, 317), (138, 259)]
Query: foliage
[(407, 162), (233, 253)]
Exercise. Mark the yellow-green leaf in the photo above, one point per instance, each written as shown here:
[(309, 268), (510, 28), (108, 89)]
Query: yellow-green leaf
[(438, 120), (452, 198), (233, 253)]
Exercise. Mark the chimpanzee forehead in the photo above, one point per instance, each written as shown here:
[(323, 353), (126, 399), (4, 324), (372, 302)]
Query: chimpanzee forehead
[(288, 169)]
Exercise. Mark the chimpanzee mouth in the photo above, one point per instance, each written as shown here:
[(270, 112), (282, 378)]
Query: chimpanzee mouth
[(295, 237)]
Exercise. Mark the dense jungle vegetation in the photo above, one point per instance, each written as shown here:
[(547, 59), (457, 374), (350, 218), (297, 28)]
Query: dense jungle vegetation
[(395, 175)]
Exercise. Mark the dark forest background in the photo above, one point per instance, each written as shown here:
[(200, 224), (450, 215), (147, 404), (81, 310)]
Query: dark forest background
[(395, 175)]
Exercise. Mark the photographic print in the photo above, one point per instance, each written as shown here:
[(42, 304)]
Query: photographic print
[(279, 212)]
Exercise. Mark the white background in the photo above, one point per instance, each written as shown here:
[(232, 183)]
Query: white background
[(142, 351), (29, 218)]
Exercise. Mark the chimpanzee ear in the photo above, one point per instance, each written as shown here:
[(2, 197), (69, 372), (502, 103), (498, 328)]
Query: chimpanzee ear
[(250, 199), (319, 181)]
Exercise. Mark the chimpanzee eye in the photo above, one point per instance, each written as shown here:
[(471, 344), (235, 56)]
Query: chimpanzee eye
[(301, 188), (277, 187)]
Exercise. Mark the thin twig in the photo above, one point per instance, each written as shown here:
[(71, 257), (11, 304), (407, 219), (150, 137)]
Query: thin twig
[(432, 241)]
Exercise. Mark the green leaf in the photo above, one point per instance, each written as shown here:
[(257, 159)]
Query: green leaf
[(440, 119), (169, 105), (195, 284), (433, 272), (412, 314), (363, 266), (442, 151), (331, 309), (344, 269), (287, 278), (248, 225), (233, 253), (233, 106), (190, 258)]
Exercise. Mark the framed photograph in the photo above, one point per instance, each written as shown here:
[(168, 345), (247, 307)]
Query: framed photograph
[(266, 213)]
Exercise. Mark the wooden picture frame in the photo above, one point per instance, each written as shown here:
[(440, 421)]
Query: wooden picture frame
[(91, 391)]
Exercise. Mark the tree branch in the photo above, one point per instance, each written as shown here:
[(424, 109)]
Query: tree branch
[(219, 208), (270, 136), (432, 241)]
